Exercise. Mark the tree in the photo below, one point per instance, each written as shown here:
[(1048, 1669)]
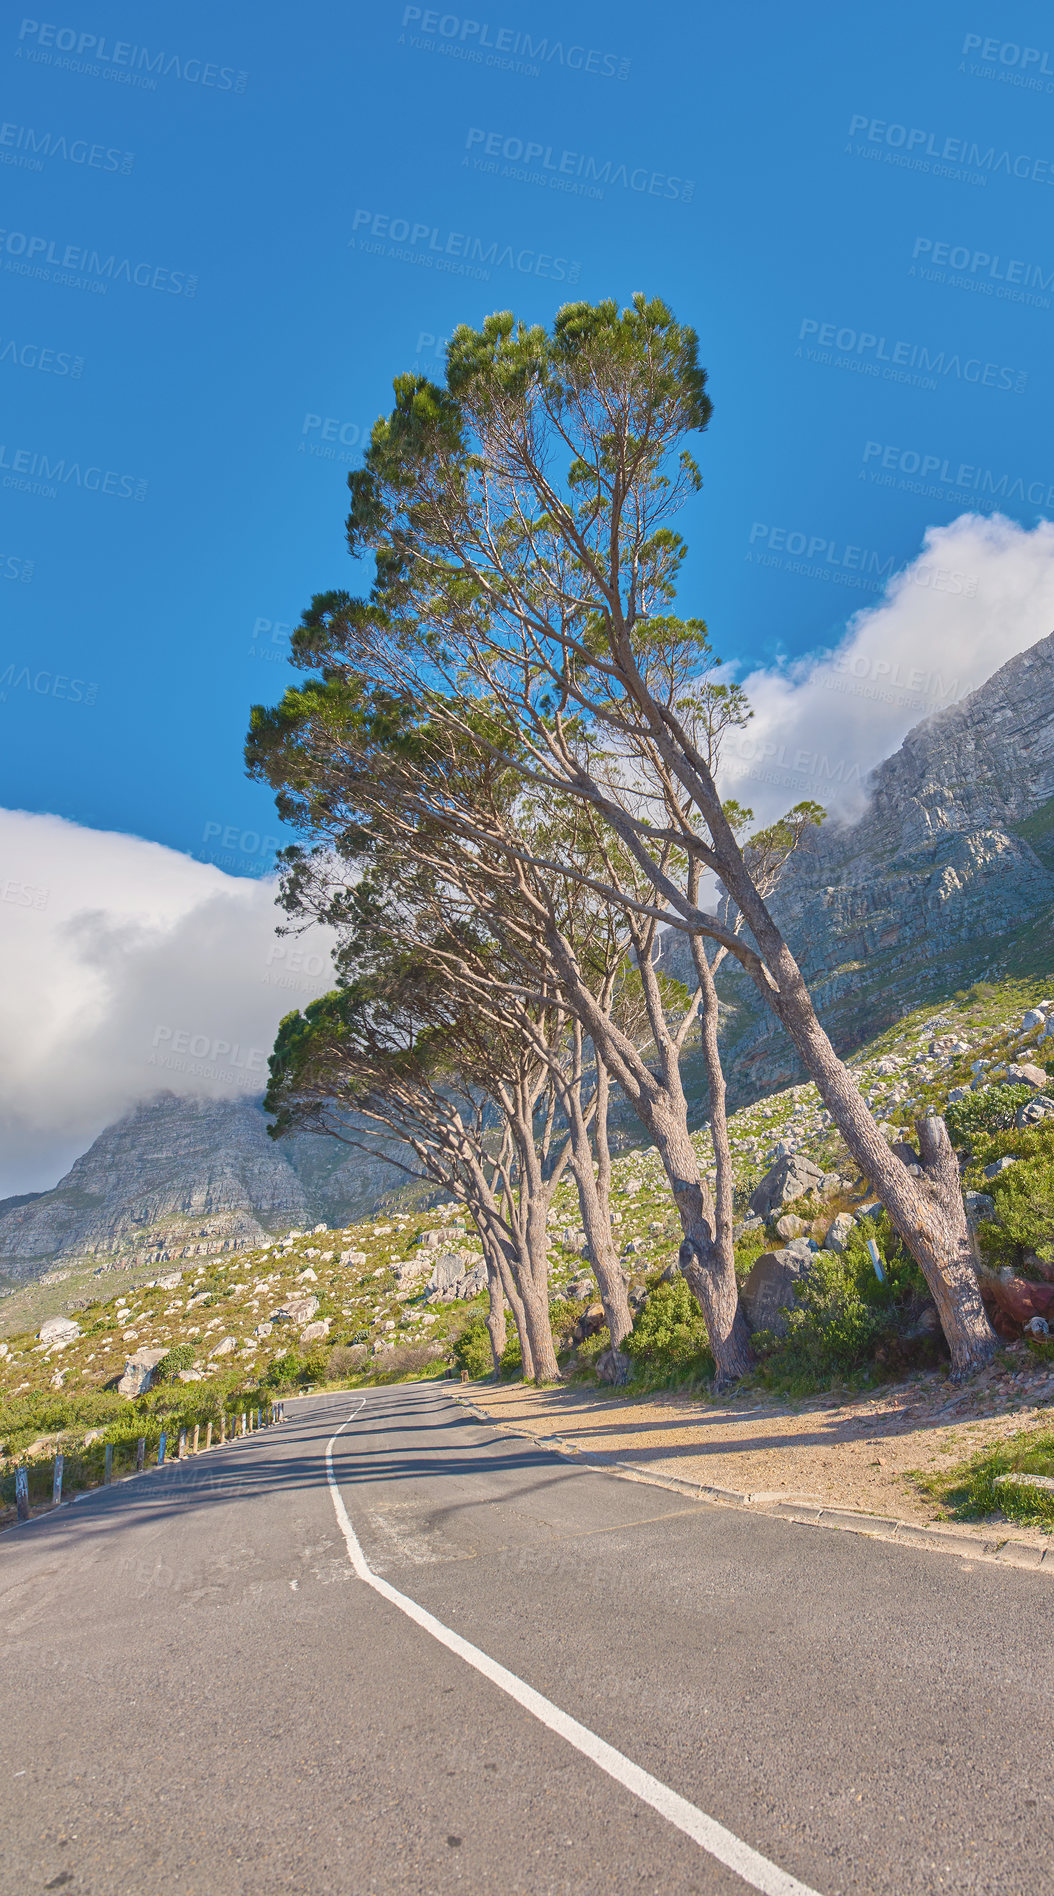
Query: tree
[(520, 516)]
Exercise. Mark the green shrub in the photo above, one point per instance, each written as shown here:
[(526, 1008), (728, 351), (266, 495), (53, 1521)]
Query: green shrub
[(990, 1109), (181, 1356), (1024, 1203), (668, 1340), (285, 1370), (472, 1349)]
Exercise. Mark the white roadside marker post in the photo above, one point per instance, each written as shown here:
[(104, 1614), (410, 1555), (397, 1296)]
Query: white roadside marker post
[(56, 1484)]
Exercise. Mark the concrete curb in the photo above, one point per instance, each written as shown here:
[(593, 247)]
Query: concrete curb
[(992, 1548)]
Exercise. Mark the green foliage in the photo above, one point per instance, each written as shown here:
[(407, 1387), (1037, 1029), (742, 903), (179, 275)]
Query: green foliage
[(179, 1357), (472, 1349), (668, 1340), (990, 1109), (285, 1371), (1024, 1205), (971, 1492), (843, 1317)]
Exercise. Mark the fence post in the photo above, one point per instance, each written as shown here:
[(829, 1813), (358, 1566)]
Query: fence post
[(182, 1448), (245, 1423), (140, 1455), (56, 1484), (107, 1466), (223, 1428), (194, 1448), (22, 1493), (161, 1449), (208, 1435), (257, 1418)]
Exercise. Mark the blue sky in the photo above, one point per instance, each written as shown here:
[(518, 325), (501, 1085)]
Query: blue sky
[(853, 209)]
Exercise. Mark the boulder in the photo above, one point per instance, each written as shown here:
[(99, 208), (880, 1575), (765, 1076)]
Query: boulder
[(979, 1206), (446, 1270), (314, 1332), (614, 1366), (225, 1347), (1033, 1019), (191, 1375), (59, 1331), (473, 1282), (139, 1372), (769, 1289), (589, 1323), (788, 1180), (432, 1240), (412, 1270), (1034, 1110), (1018, 1299), (297, 1309), (957, 1093), (838, 1232), (999, 1165), (1027, 1075), (581, 1288), (353, 1257), (789, 1226)]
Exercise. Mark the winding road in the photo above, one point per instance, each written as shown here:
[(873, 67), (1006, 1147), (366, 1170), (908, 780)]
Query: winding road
[(382, 1648)]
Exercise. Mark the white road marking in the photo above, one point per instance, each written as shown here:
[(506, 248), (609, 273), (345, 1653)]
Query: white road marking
[(711, 1836)]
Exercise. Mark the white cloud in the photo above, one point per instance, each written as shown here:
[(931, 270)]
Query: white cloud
[(127, 969), (980, 590)]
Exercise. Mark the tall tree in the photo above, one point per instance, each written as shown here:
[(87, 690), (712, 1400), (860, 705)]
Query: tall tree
[(521, 513)]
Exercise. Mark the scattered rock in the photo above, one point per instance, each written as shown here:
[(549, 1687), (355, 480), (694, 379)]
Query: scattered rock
[(139, 1371), (314, 1332), (979, 1206), (838, 1232), (225, 1347), (769, 1289), (59, 1331), (353, 1257), (614, 1366), (581, 1288), (1028, 1075), (786, 1181), (297, 1309), (1034, 1110), (789, 1226), (1000, 1165)]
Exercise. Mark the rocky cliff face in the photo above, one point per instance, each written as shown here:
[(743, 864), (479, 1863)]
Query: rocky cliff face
[(950, 863), (184, 1178)]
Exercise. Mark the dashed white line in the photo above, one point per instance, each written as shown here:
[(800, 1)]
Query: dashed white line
[(711, 1836)]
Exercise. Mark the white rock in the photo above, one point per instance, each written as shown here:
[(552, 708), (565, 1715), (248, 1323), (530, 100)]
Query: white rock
[(59, 1330), (139, 1372), (314, 1332), (224, 1349), (307, 1277)]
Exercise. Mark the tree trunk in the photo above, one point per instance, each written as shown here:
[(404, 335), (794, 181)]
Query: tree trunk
[(928, 1213), (707, 1275), (535, 1288), (496, 1329), (724, 1243), (596, 1222)]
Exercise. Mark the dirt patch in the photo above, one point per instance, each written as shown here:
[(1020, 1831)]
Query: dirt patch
[(857, 1452)]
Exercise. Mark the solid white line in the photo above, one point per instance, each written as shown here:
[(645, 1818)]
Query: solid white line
[(703, 1830)]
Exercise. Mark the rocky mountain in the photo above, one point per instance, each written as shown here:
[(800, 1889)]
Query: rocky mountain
[(945, 876), (181, 1178)]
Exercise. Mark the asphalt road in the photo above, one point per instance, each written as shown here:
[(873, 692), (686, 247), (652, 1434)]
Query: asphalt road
[(199, 1694)]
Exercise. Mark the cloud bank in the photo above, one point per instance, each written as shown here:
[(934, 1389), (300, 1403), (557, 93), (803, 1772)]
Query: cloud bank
[(127, 969), (981, 589)]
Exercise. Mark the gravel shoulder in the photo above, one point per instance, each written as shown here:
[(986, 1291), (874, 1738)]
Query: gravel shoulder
[(857, 1452)]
